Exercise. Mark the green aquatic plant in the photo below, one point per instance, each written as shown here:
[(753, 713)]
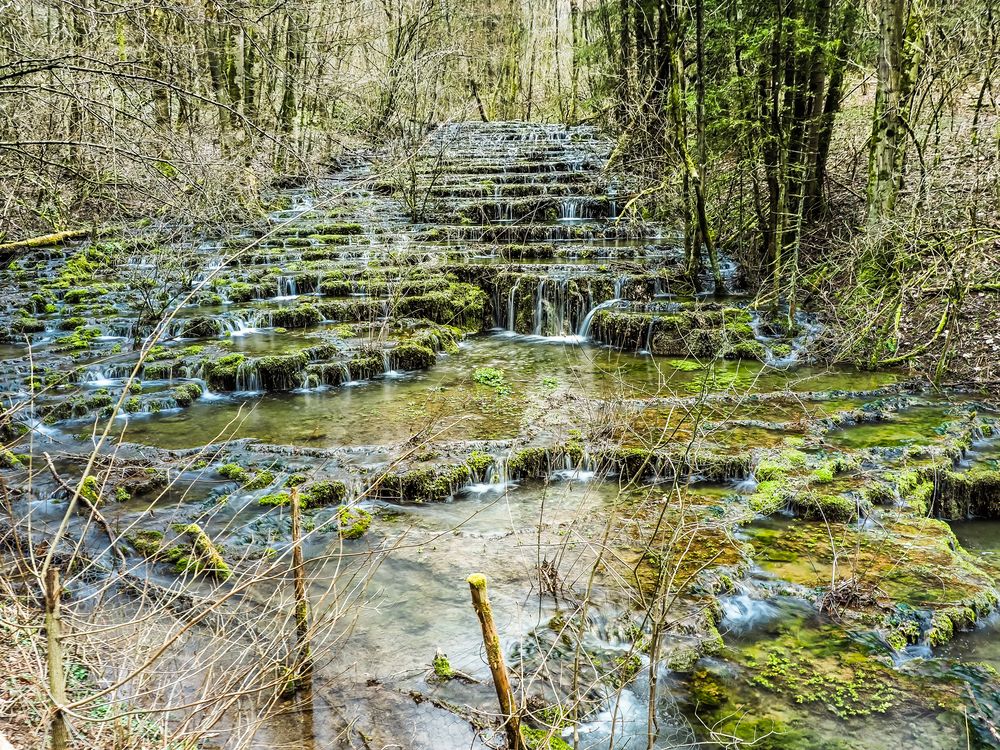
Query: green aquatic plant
[(491, 377)]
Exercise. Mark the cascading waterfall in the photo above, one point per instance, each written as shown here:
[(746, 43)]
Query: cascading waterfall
[(105, 375), (808, 331), (287, 287), (512, 306), (493, 480), (539, 307), (237, 326), (582, 470), (620, 287), (248, 378), (584, 331), (570, 209)]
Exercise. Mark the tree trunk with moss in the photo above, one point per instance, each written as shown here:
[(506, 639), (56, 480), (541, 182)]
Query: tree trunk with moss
[(898, 64)]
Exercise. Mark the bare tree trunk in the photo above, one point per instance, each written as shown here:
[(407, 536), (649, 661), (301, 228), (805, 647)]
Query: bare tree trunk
[(698, 174), (58, 730), (898, 62), (302, 679), (491, 639)]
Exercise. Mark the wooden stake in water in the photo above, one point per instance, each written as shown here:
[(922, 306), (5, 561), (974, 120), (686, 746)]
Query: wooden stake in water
[(302, 679), (491, 639), (58, 731)]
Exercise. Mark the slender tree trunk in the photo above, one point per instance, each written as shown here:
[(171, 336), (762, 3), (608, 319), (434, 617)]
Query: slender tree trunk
[(58, 729), (699, 175), (897, 68), (302, 679), (494, 656)]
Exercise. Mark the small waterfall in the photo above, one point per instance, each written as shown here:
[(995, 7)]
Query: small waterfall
[(576, 471), (287, 287), (247, 377), (512, 306), (570, 209), (539, 307), (647, 347), (746, 486), (388, 372), (808, 329), (196, 374), (620, 287), (741, 612), (236, 327), (492, 480), (584, 331), (102, 376)]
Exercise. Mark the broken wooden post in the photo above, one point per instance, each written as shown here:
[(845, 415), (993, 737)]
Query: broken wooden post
[(58, 730), (302, 677), (491, 639)]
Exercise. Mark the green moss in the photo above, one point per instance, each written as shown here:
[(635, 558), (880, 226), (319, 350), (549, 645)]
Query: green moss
[(235, 472), (528, 462), (81, 338), (442, 667), (300, 316), (8, 460), (770, 496), (187, 393), (146, 542), (827, 507), (239, 291), (259, 480), (971, 493), (281, 372), (822, 474), (276, 499), (90, 490), (205, 556), (69, 324), (352, 521), (25, 324), (222, 372), (777, 465), (424, 484), (543, 739), (325, 493), (479, 461), (411, 356)]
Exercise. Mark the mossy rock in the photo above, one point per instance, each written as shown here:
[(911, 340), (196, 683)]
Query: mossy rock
[(147, 542), (325, 493), (353, 521)]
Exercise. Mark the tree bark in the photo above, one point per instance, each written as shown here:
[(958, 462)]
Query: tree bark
[(302, 680), (494, 656), (58, 729)]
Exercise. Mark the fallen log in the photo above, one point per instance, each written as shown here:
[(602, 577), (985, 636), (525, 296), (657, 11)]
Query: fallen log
[(56, 238)]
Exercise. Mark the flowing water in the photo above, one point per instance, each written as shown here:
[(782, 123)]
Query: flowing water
[(521, 382)]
